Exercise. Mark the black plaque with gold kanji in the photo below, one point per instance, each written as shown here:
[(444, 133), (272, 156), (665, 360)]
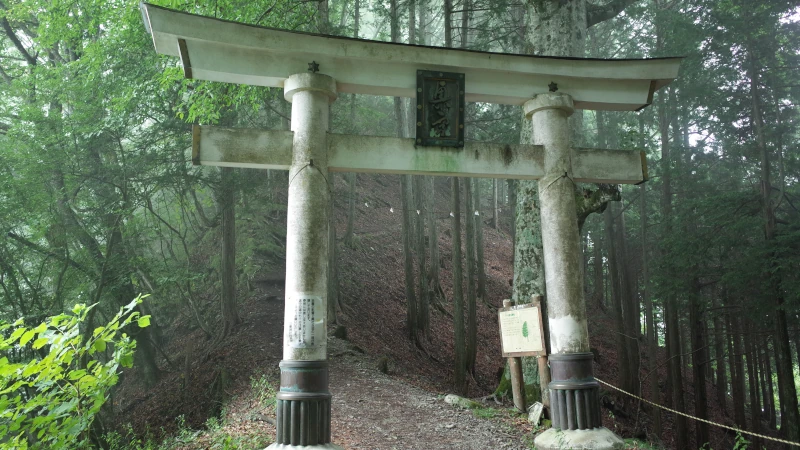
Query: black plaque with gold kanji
[(440, 109)]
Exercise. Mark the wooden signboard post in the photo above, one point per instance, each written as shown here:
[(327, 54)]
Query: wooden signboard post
[(521, 334)]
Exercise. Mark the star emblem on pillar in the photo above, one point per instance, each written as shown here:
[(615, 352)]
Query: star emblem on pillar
[(313, 66), (552, 86)]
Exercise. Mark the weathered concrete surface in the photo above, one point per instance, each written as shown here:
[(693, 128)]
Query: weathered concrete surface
[(307, 223), (218, 50), (262, 149), (566, 310), (594, 439)]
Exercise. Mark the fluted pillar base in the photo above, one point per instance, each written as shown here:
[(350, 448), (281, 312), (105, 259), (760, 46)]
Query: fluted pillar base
[(303, 407), (574, 393)]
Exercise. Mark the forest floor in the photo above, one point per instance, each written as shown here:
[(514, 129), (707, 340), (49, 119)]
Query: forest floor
[(220, 394), (371, 409)]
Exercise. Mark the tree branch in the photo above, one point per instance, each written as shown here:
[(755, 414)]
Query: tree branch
[(6, 77), (21, 48), (44, 251), (596, 14), (589, 201)]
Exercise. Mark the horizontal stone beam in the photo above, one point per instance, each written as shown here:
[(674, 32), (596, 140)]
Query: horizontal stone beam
[(234, 147), (218, 50)]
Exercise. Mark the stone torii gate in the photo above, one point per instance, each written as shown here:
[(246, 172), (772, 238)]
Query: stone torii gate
[(549, 90)]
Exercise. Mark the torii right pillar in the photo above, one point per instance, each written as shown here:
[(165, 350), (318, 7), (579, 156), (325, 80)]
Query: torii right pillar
[(574, 393)]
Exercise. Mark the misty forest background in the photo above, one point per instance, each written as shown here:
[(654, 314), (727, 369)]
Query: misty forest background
[(699, 268)]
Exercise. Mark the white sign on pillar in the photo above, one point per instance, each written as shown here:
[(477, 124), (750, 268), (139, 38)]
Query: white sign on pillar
[(307, 327)]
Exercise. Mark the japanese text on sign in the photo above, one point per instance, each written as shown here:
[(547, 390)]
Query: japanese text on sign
[(306, 328), (520, 331)]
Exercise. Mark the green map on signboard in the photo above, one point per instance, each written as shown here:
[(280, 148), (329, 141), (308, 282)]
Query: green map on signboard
[(520, 330)]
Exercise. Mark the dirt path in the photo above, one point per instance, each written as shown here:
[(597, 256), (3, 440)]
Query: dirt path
[(372, 410)]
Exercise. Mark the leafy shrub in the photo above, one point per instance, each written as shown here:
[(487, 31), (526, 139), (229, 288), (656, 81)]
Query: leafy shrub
[(51, 401)]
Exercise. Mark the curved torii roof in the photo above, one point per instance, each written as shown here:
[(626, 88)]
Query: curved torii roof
[(219, 50)]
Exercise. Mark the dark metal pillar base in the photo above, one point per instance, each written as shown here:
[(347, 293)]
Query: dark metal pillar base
[(303, 406), (574, 393)]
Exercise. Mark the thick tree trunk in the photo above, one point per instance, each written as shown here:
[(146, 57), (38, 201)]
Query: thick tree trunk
[(333, 267), (479, 264), (495, 209), (781, 411), (512, 209), (435, 286), (114, 264), (787, 390), (323, 17), (620, 335), (773, 416), (423, 38), (762, 379), (469, 220), (528, 253), (352, 177), (650, 320), (448, 26), (699, 362), (752, 375), (686, 344), (719, 355), (670, 306), (412, 27), (557, 28), (597, 269), (631, 306), (709, 368), (790, 416), (423, 314), (405, 197), (737, 373), (117, 265), (460, 373), (356, 18), (422, 307), (408, 258), (529, 268), (465, 7), (230, 314), (797, 341)]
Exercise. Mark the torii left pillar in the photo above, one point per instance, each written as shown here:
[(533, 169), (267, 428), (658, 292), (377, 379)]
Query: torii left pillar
[(303, 405)]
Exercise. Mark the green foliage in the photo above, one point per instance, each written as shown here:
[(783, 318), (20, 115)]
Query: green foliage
[(219, 432), (486, 413), (50, 401), (504, 387), (740, 443), (636, 444), (525, 329), (263, 390), (533, 393)]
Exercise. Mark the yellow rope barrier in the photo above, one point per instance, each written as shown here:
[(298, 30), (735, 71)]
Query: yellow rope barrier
[(797, 444)]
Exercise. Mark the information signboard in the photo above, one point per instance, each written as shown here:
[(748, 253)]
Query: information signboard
[(521, 331)]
